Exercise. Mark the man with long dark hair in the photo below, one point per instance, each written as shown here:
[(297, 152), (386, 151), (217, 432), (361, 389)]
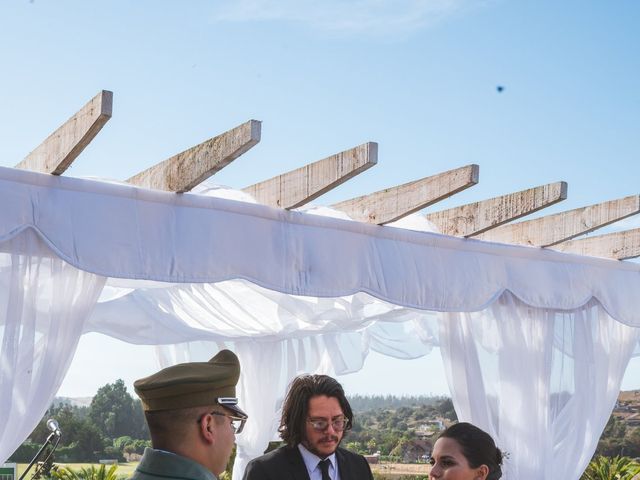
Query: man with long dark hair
[(315, 416)]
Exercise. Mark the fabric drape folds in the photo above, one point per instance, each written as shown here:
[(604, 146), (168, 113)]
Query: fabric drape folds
[(541, 382), (126, 232), (535, 342), (43, 305)]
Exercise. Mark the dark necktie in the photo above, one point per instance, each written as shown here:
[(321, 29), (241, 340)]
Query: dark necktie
[(324, 468)]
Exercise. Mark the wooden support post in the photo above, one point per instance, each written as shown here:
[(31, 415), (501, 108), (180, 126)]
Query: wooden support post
[(618, 245), (185, 170), (553, 229), (396, 202), (63, 146), (297, 187), (475, 218)]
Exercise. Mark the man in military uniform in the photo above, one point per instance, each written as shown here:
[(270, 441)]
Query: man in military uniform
[(193, 415)]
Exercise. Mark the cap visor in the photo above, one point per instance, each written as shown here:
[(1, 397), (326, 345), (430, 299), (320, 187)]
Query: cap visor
[(236, 410)]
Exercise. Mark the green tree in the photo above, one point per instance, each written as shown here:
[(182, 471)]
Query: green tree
[(632, 442), (90, 442), (353, 446), (445, 409), (372, 445), (66, 416), (25, 452), (112, 411), (606, 468), (612, 441), (121, 442)]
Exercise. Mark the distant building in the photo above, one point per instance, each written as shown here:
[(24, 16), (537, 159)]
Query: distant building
[(372, 459), (430, 428)]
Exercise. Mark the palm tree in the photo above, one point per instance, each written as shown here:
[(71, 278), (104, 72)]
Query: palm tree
[(86, 473), (606, 468)]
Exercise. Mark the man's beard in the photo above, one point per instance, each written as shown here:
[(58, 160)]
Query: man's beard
[(325, 439)]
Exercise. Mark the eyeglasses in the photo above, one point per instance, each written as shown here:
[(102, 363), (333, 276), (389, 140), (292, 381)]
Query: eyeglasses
[(237, 423), (338, 424)]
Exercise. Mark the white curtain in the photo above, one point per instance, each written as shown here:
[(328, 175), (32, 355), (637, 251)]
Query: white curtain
[(526, 375), (541, 382), (43, 305), (238, 310), (301, 292)]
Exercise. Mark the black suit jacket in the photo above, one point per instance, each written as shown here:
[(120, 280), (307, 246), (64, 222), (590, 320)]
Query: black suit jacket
[(286, 463)]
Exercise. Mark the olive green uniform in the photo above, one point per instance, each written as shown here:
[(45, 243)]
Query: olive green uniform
[(161, 465)]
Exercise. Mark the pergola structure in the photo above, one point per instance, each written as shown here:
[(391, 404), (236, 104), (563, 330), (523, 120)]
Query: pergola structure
[(534, 341), (492, 219)]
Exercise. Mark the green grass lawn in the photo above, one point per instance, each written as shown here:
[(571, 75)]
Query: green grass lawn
[(125, 469)]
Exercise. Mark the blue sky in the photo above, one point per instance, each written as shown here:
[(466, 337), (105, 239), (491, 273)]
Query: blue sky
[(417, 76)]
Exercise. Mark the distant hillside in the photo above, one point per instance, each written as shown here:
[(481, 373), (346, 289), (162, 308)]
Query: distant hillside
[(400, 427), (364, 403), (74, 402)]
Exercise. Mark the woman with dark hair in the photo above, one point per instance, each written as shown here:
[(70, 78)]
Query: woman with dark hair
[(464, 452)]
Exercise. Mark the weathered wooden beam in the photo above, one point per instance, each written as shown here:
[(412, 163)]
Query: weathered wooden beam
[(475, 218), (396, 202), (553, 229), (63, 146), (185, 170), (297, 187), (618, 245)]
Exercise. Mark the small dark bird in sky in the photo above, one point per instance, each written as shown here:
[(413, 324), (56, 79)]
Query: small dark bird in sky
[(500, 89)]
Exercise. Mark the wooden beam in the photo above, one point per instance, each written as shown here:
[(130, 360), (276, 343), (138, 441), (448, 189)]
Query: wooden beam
[(297, 187), (553, 229), (618, 245), (185, 170), (63, 146), (396, 202), (475, 218)]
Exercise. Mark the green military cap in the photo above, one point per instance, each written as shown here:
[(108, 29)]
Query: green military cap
[(195, 384)]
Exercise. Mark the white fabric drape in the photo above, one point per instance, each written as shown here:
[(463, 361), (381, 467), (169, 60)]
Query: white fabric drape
[(294, 292), (128, 232), (43, 305), (541, 382), (237, 310)]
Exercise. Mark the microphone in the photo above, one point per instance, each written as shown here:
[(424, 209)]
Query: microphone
[(55, 431), (53, 426)]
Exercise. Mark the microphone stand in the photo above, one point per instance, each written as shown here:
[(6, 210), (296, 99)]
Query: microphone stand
[(45, 445)]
